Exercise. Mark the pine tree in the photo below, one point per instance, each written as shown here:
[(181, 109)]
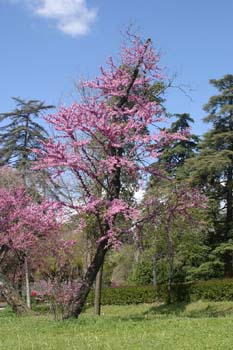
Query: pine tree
[(174, 156), (212, 169), (20, 133)]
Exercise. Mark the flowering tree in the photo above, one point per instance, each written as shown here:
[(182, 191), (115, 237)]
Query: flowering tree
[(119, 121), (25, 228)]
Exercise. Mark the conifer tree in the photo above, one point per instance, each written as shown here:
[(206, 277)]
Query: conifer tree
[(213, 168), (20, 133), (174, 156)]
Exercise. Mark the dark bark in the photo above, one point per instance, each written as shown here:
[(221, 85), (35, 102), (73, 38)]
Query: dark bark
[(98, 290), (228, 265), (169, 284), (3, 252), (89, 278), (12, 297)]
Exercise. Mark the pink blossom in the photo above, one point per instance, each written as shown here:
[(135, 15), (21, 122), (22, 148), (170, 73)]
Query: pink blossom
[(114, 133)]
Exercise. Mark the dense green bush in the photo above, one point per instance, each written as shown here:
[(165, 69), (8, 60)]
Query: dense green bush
[(126, 295), (179, 292), (215, 290), (142, 273), (206, 271)]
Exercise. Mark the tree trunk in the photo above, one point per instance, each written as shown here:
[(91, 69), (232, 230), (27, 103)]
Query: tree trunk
[(27, 283), (88, 255), (98, 290), (138, 247), (228, 265), (78, 303), (170, 267), (169, 285), (154, 272), (12, 297)]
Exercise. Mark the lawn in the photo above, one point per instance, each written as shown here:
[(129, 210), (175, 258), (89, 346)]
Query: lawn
[(200, 325)]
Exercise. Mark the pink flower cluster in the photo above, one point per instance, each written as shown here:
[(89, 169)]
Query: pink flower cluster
[(24, 223), (113, 132)]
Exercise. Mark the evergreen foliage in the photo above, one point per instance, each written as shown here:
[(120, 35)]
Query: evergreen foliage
[(215, 290), (174, 156), (212, 169), (21, 133)]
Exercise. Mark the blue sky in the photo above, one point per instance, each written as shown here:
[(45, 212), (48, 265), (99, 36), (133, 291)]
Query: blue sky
[(47, 45)]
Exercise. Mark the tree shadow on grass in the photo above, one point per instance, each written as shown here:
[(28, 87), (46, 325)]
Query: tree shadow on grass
[(180, 310), (177, 310), (196, 310), (167, 309)]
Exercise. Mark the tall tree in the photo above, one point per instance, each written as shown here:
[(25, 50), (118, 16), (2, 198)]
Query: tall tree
[(114, 117), (174, 155), (20, 132), (212, 169)]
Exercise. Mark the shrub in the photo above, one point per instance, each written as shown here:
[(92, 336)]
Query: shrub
[(142, 273), (126, 295), (215, 290)]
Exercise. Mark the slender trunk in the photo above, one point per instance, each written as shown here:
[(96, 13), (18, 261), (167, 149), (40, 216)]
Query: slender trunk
[(27, 283), (12, 297), (138, 247), (19, 286), (87, 256), (89, 278), (98, 290), (154, 273), (169, 283), (170, 267)]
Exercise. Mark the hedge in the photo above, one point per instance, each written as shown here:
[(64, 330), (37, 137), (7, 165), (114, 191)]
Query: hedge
[(215, 290), (126, 295)]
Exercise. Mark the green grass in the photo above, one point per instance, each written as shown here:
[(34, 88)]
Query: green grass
[(200, 325)]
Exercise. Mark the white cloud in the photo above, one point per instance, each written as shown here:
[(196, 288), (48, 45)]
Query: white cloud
[(72, 17)]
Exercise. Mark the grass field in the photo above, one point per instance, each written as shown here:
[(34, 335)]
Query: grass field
[(195, 326)]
